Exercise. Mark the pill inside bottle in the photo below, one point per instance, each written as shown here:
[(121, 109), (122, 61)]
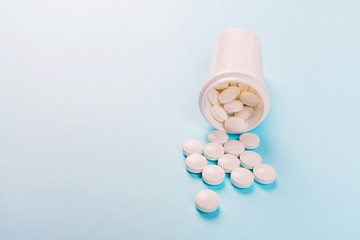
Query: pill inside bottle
[(247, 106), (234, 98)]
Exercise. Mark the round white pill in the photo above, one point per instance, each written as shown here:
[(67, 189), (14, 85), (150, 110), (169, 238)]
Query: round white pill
[(213, 97), (250, 159), (207, 200), (218, 113), (229, 94), (250, 140), (213, 151), (213, 174), (234, 147), (264, 173), (245, 113), (228, 162), (222, 86), (233, 106), (243, 87), (234, 124), (249, 98), (242, 177), (195, 163), (218, 136), (192, 146)]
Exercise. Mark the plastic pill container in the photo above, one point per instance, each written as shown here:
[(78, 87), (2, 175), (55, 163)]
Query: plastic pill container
[(236, 58)]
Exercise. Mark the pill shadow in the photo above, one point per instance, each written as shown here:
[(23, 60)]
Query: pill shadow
[(269, 187), (210, 162), (233, 136), (245, 191), (215, 187), (194, 175), (209, 215)]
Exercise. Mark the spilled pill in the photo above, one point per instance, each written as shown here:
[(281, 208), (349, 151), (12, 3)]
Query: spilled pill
[(218, 136), (228, 162), (264, 173), (234, 147), (195, 163), (242, 177), (250, 140), (192, 146), (207, 200), (213, 174), (250, 159), (213, 151)]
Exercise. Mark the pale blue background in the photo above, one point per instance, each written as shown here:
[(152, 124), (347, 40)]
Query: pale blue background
[(96, 98)]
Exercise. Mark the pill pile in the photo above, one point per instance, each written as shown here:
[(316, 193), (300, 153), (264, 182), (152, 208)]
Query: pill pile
[(232, 104), (243, 165)]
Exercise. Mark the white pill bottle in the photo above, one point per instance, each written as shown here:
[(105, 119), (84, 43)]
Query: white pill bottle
[(237, 58)]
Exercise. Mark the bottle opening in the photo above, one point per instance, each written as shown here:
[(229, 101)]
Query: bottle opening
[(233, 106)]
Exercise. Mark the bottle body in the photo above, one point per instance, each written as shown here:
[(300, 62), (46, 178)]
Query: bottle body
[(236, 58)]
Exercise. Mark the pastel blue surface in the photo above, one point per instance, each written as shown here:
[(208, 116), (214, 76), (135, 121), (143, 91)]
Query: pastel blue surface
[(97, 97)]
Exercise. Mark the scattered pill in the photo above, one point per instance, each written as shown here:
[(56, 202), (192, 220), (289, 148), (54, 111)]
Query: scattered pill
[(218, 136), (213, 174), (192, 146), (250, 159), (233, 106), (195, 163), (228, 162), (218, 113), (229, 94), (245, 113), (222, 86), (242, 177), (249, 98), (234, 124), (213, 151), (264, 173), (207, 200), (234, 147), (250, 140), (213, 97)]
